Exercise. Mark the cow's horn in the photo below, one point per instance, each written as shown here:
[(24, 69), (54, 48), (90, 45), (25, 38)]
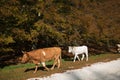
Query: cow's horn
[(23, 52)]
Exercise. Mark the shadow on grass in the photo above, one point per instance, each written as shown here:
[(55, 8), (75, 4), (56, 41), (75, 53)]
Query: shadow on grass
[(39, 68)]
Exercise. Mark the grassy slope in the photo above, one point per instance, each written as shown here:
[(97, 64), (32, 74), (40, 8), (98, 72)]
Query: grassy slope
[(24, 71)]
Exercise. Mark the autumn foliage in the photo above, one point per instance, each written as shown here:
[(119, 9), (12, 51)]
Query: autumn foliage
[(32, 24)]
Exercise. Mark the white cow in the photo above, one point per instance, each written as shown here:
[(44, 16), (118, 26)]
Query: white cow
[(78, 50), (118, 48)]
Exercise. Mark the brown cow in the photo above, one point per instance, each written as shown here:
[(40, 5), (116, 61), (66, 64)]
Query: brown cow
[(42, 55)]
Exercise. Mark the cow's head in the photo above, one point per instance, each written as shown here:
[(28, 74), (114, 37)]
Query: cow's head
[(25, 57), (69, 49), (118, 45)]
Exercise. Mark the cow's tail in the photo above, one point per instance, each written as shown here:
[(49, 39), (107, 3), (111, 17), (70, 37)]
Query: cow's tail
[(86, 53), (60, 57)]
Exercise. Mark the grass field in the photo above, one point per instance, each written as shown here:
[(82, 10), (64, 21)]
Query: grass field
[(24, 71)]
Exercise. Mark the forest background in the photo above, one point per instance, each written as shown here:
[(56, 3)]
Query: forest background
[(31, 24)]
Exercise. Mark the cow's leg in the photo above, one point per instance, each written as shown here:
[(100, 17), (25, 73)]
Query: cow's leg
[(86, 56), (118, 50), (58, 63), (74, 58), (82, 56), (55, 62), (43, 64), (78, 58), (36, 67)]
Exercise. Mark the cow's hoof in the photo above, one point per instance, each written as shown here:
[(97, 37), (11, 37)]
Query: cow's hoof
[(47, 69), (34, 72), (58, 67), (51, 68)]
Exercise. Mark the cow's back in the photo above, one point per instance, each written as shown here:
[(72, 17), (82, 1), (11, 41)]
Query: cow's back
[(51, 53), (44, 54), (36, 54), (80, 49)]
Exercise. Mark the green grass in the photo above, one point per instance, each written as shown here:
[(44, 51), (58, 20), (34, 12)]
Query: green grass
[(18, 66), (27, 65)]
